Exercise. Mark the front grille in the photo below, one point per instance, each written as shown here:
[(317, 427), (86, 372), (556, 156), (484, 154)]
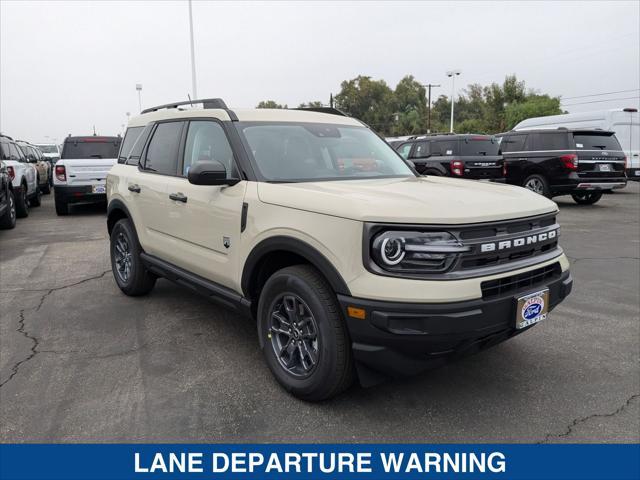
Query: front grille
[(513, 283)]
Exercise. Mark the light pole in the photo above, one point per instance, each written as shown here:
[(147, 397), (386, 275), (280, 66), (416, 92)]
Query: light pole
[(453, 74), (139, 89), (193, 56)]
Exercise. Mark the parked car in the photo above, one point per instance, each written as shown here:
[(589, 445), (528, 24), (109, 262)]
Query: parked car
[(470, 156), (43, 167), (7, 200), (313, 225), (24, 177), (625, 122), (80, 174), (580, 163)]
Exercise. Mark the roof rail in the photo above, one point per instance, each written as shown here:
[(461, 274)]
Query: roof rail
[(329, 110), (207, 103), (5, 136), (424, 135)]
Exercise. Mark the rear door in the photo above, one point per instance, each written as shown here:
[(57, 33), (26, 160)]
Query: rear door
[(88, 160), (599, 155), (481, 157)]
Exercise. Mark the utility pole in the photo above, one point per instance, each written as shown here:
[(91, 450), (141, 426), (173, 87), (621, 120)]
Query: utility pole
[(193, 56), (429, 86), (453, 74)]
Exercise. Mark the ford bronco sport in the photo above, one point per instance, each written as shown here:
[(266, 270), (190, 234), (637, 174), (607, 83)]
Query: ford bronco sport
[(350, 261)]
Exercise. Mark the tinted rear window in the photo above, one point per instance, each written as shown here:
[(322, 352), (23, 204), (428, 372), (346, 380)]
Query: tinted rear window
[(593, 141), (91, 148), (479, 146), (553, 141)]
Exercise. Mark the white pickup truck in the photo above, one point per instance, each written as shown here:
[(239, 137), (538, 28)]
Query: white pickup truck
[(79, 176)]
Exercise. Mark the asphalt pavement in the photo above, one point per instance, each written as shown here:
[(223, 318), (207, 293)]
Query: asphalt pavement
[(81, 362)]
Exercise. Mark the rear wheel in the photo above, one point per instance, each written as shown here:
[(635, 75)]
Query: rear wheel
[(538, 184), (130, 273), (586, 198), (22, 204), (46, 189), (8, 220), (303, 336)]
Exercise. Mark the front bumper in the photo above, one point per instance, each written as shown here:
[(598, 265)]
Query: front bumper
[(400, 339), (78, 194)]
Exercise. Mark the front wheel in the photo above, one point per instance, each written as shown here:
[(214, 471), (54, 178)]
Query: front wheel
[(302, 334), (586, 198), (130, 273), (538, 184)]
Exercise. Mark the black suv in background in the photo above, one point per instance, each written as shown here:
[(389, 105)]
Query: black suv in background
[(453, 155), (7, 200), (581, 163)]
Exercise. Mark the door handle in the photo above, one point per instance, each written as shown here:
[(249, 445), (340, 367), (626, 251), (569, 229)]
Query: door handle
[(134, 188), (178, 197)]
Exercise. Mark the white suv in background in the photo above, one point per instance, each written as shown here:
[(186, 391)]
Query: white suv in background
[(23, 175)]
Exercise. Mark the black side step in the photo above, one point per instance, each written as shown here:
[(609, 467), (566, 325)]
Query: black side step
[(212, 290)]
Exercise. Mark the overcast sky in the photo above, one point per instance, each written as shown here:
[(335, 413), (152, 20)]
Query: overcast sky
[(66, 66)]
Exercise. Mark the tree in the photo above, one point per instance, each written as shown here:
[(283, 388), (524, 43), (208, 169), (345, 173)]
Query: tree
[(410, 107), (314, 104), (270, 104), (372, 101), (533, 106)]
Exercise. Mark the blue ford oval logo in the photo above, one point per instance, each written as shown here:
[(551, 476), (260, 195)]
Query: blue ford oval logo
[(532, 308)]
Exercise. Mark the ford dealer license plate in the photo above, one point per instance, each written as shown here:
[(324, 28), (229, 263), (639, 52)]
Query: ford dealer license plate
[(99, 189), (532, 308)]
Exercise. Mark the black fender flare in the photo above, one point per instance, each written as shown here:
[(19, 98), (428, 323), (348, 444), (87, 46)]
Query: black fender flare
[(117, 205), (298, 247)]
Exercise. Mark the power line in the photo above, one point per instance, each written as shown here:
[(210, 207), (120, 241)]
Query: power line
[(601, 94), (599, 101)]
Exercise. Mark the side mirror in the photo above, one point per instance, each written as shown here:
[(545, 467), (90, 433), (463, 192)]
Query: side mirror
[(210, 172)]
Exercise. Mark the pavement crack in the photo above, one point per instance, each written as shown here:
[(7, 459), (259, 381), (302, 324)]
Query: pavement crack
[(92, 355), (70, 285), (35, 342), (33, 350), (577, 421)]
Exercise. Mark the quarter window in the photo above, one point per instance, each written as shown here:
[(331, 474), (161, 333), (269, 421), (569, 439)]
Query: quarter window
[(422, 150), (404, 150), (127, 144), (162, 154), (512, 143), (206, 141)]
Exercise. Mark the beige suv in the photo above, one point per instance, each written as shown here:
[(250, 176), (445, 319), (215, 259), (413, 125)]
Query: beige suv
[(349, 261)]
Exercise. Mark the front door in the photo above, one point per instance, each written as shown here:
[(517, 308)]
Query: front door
[(206, 219)]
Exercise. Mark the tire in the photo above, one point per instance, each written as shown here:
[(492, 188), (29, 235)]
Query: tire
[(537, 184), (8, 220), (62, 207), (22, 204), (320, 365), (586, 198), (36, 199), (46, 189), (128, 270)]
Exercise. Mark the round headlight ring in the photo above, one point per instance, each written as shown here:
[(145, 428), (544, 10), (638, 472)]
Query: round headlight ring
[(392, 250)]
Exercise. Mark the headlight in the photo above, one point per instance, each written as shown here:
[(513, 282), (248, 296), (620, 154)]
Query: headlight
[(416, 252)]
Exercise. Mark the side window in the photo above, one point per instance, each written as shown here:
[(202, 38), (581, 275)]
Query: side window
[(130, 138), (422, 150), (162, 153), (138, 146), (206, 141), (554, 141), (4, 151), (16, 153), (532, 142), (404, 150), (512, 143)]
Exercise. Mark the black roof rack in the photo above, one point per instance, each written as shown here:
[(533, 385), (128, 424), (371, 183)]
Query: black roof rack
[(207, 103), (329, 110), (5, 136), (420, 135)]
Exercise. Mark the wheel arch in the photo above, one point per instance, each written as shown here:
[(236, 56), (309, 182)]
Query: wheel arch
[(116, 211), (281, 251)]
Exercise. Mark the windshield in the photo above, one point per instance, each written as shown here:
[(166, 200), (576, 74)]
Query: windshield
[(99, 148), (317, 151), (593, 141), (479, 146), (48, 148)]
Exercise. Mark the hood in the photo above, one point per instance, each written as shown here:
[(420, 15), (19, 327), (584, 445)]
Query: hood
[(420, 200)]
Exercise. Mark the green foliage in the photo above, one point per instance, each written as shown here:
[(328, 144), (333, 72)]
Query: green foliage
[(314, 104), (270, 104), (403, 111)]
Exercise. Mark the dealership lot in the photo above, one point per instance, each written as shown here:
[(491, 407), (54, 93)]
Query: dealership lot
[(79, 361)]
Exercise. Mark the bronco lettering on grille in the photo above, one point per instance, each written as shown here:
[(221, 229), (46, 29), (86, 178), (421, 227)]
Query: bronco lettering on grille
[(518, 242)]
